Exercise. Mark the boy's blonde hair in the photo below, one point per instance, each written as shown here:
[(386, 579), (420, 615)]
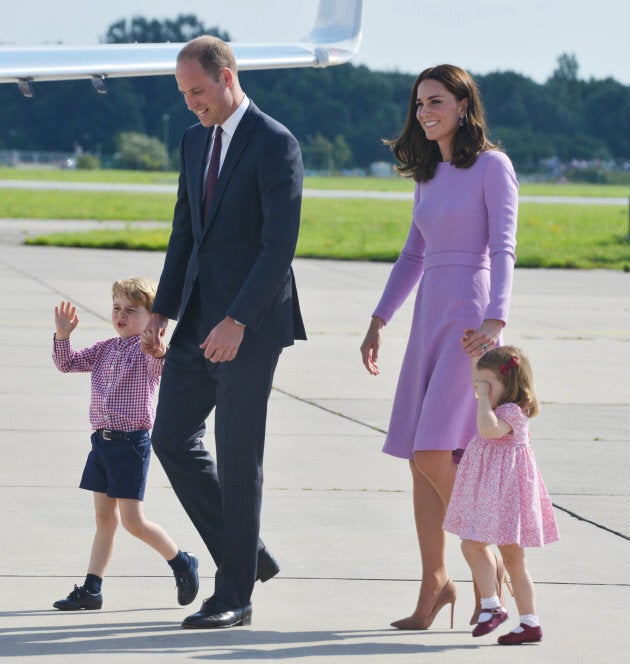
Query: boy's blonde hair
[(512, 367), (137, 289)]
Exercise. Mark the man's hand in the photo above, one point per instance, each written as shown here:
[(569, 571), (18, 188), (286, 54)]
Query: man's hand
[(224, 340), (152, 339), (148, 348)]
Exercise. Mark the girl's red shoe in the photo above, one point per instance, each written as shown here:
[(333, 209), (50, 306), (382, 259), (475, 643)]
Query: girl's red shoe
[(499, 615), (528, 635)]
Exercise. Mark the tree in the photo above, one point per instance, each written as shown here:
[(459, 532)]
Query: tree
[(140, 152), (360, 105), (318, 154), (141, 30), (607, 114), (567, 69), (565, 84), (342, 154), (525, 147)]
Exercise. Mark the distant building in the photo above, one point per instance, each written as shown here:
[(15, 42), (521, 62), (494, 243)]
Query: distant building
[(381, 169)]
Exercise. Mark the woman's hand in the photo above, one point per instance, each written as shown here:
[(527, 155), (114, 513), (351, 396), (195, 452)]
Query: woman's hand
[(371, 345), (477, 342)]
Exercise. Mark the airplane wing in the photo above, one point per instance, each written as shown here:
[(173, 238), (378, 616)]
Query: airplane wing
[(333, 40)]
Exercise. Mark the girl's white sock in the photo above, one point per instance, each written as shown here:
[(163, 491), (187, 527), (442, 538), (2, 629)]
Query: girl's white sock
[(488, 603), (528, 619)]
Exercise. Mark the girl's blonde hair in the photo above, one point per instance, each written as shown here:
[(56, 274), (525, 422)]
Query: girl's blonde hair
[(512, 367), (137, 289)]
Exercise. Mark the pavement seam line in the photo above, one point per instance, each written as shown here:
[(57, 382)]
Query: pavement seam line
[(575, 515), (328, 410)]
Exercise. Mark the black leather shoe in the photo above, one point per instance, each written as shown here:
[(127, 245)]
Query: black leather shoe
[(78, 599), (211, 616), (267, 566), (188, 582)]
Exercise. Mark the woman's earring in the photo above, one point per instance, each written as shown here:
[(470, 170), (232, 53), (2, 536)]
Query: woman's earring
[(462, 120)]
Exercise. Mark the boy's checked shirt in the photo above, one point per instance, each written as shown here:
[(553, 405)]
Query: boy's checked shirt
[(124, 381)]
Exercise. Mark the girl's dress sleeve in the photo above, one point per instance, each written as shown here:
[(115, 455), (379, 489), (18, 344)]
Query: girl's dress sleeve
[(512, 414)]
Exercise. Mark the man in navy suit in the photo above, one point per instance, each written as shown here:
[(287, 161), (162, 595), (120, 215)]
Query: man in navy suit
[(227, 279)]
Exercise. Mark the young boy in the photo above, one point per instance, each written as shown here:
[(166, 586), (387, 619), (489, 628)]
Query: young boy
[(124, 381)]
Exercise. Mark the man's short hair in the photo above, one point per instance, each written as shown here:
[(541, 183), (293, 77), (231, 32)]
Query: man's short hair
[(212, 53)]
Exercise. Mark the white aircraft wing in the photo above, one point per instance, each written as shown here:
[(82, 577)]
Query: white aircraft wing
[(333, 40)]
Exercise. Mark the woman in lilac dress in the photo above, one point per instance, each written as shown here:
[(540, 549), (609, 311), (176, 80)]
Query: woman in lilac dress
[(460, 250)]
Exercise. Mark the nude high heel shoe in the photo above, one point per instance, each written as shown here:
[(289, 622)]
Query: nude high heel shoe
[(447, 596), (502, 578)]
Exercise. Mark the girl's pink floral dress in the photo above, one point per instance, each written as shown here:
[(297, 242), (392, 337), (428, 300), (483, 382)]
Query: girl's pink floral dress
[(499, 496)]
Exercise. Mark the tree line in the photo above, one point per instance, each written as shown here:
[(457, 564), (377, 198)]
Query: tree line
[(340, 114)]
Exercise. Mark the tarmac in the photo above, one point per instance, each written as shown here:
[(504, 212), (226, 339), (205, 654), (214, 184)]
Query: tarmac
[(337, 512)]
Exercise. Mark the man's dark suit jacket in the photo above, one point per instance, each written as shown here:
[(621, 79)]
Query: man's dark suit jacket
[(241, 254)]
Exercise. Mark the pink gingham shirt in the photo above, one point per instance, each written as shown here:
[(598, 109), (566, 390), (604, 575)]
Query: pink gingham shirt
[(124, 381)]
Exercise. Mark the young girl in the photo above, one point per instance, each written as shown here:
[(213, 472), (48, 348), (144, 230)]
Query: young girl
[(499, 496)]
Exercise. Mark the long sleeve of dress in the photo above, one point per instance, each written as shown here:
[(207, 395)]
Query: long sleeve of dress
[(405, 274), (500, 190)]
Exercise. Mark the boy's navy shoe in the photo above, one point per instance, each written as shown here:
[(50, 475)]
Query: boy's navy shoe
[(188, 582), (80, 598)]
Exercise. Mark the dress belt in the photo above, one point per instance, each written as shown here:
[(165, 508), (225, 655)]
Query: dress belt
[(481, 261)]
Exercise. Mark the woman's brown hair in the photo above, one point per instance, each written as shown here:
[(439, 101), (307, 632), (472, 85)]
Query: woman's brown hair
[(419, 157)]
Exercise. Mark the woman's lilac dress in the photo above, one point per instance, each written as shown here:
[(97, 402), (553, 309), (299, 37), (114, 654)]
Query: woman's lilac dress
[(461, 248)]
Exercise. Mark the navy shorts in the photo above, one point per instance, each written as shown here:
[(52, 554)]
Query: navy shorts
[(118, 467)]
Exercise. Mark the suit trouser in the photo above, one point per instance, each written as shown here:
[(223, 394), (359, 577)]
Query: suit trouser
[(222, 498)]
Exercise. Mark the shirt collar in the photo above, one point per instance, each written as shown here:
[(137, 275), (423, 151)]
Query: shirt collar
[(129, 341), (230, 125)]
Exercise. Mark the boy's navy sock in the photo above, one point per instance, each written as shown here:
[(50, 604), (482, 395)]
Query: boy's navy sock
[(180, 563), (93, 584)]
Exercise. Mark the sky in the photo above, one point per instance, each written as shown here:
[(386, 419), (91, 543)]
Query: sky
[(482, 36)]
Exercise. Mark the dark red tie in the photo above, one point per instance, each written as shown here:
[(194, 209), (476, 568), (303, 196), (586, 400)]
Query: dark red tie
[(213, 170)]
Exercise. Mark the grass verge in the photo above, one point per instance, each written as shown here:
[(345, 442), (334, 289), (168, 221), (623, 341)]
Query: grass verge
[(552, 236)]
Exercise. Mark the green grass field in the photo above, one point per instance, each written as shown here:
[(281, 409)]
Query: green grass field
[(559, 236)]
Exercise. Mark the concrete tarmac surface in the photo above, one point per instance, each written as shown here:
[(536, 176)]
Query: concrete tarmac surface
[(337, 512)]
